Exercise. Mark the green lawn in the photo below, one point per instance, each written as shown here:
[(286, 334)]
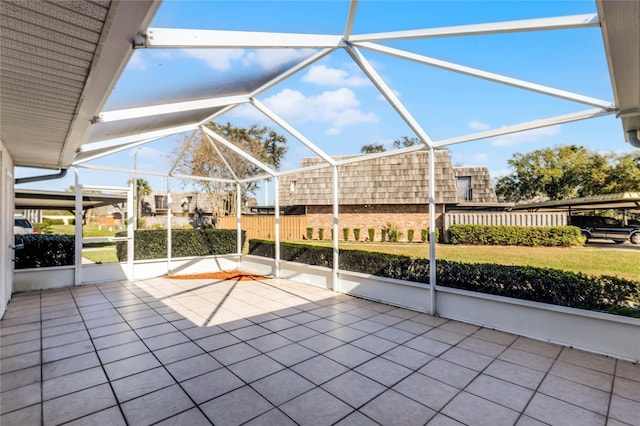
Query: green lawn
[(107, 255), (588, 260), (91, 230)]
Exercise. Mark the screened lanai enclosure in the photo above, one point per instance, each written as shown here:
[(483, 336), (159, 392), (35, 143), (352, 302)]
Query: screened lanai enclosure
[(178, 94)]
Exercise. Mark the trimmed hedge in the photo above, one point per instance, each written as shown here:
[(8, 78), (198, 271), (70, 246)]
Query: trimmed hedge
[(152, 243), (544, 285), (530, 236), (45, 250)]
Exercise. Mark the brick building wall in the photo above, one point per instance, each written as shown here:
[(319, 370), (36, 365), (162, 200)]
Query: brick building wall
[(376, 216)]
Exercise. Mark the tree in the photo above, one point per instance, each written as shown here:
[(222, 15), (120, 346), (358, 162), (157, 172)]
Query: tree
[(143, 188), (371, 148), (202, 159), (406, 142), (568, 171)]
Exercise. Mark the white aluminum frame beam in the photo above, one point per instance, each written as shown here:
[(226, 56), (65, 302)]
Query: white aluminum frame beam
[(224, 160), (529, 125), (238, 151), (176, 38), (186, 144), (485, 75), (171, 108), (538, 24), (386, 91), (353, 7), (151, 173), (85, 156), (153, 135), (286, 126)]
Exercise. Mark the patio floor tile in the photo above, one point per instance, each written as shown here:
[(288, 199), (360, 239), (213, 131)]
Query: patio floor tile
[(236, 407), (427, 391), (319, 369), (353, 388), (276, 352), (316, 407), (470, 409), (553, 411), (78, 404), (282, 386), (142, 383), (394, 408), (156, 406)]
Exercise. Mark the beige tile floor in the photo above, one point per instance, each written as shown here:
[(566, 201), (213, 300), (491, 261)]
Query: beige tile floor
[(275, 352)]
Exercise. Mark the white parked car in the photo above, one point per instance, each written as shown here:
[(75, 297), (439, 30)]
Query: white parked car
[(21, 225)]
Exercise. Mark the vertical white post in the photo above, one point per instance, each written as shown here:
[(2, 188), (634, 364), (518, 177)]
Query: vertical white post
[(336, 252), (276, 206), (432, 231), (239, 222), (78, 231), (169, 218), (130, 230)]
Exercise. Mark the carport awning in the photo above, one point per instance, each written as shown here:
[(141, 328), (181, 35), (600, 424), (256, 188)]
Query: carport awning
[(625, 200), (54, 200)]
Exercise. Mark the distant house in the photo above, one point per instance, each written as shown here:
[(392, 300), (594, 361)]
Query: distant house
[(389, 190)]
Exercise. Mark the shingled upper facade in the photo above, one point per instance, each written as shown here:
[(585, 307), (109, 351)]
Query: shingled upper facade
[(386, 190)]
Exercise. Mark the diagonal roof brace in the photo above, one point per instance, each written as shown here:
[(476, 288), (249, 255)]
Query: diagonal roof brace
[(238, 151)]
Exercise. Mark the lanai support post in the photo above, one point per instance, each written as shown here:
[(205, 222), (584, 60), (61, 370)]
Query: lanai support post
[(335, 284), (432, 231), (238, 223), (276, 207), (169, 218), (78, 228)]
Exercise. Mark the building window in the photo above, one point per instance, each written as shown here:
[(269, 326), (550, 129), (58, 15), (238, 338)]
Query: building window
[(465, 192), (292, 187), (161, 202)]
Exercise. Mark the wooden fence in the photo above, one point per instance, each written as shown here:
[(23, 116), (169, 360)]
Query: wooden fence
[(291, 227), (504, 218)]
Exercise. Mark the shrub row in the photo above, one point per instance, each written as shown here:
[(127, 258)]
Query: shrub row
[(544, 285), (152, 243), (558, 236), (44, 250)]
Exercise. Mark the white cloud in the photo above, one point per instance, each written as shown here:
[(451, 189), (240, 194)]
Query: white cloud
[(323, 75), (495, 174), (478, 160), (218, 59), (528, 136), (478, 125), (339, 108), (269, 59)]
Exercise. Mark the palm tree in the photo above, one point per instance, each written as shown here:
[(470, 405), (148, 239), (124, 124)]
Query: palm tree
[(142, 189)]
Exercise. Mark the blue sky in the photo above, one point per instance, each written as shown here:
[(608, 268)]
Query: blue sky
[(334, 105)]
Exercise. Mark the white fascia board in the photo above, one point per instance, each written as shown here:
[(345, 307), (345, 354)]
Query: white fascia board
[(163, 38), (540, 24), (238, 151), (149, 111), (286, 126), (125, 19), (529, 125), (497, 78), (386, 91), (156, 134)]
